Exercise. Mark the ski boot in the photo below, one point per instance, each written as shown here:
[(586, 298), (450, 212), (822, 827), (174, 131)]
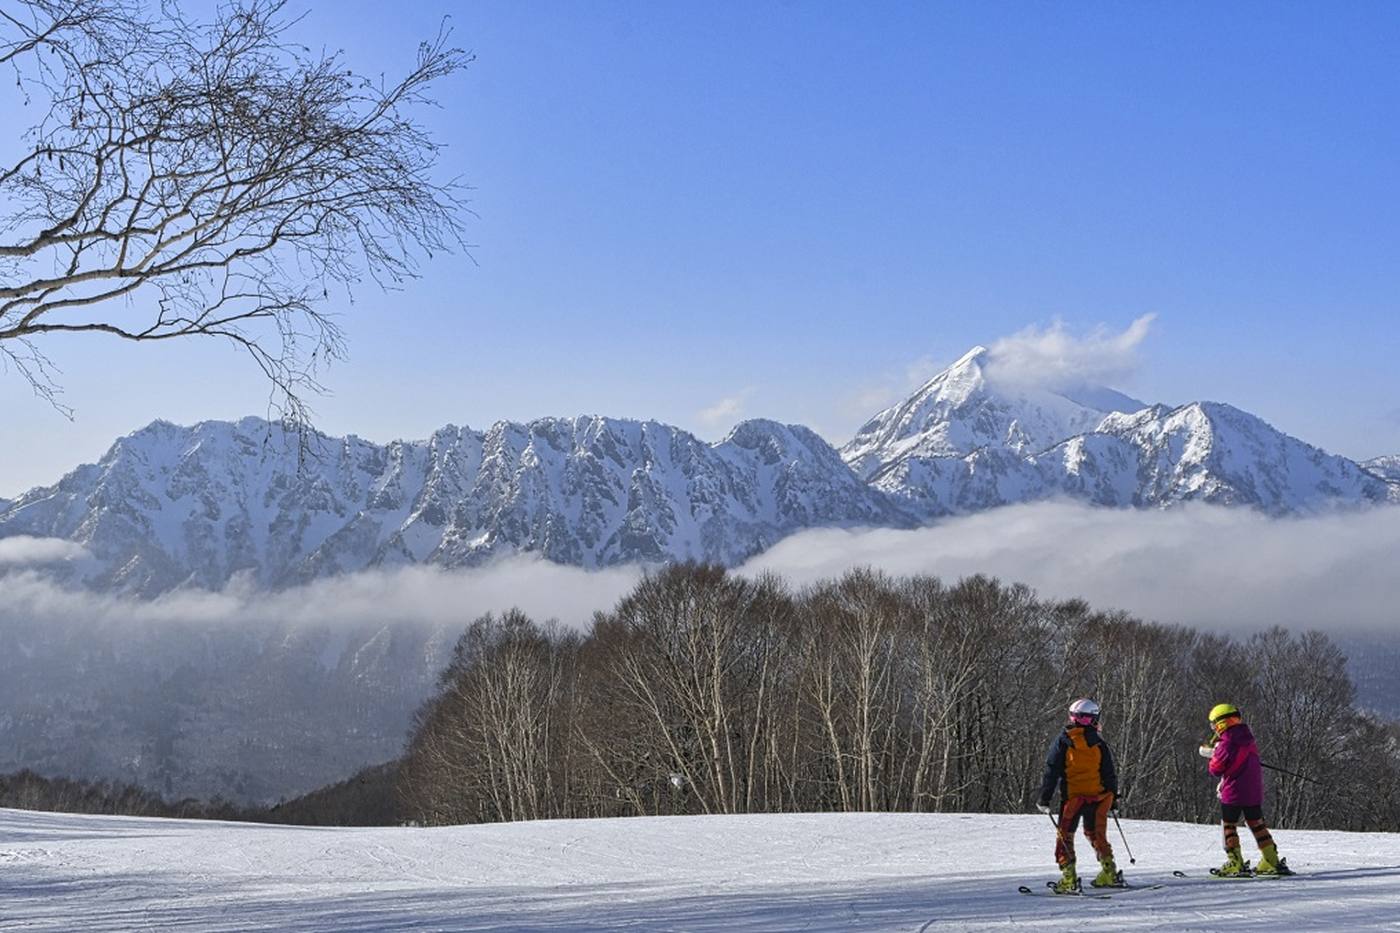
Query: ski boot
[(1069, 880), (1109, 876), (1270, 864), (1235, 866)]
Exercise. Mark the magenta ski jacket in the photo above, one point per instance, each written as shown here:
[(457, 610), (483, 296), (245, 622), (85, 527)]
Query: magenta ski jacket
[(1236, 763)]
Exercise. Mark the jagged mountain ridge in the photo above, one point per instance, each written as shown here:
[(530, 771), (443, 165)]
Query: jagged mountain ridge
[(1201, 452), (967, 440), (169, 506)]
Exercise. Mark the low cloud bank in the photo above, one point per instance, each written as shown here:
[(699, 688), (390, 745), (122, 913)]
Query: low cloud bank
[(1214, 568), (422, 595), (22, 551)]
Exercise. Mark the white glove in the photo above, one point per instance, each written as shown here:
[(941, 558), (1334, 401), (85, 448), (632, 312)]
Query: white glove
[(1043, 807), (1205, 751)]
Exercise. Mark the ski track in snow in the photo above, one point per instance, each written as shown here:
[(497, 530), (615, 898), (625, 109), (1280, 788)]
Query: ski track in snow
[(858, 872)]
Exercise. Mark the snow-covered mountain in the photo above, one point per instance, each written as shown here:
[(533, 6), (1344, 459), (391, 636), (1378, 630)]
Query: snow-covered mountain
[(967, 441), (961, 410), (171, 505), (1387, 468), (1207, 452), (1201, 452)]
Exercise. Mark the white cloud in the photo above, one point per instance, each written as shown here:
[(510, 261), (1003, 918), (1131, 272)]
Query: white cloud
[(1211, 567), (1215, 568), (418, 595), (726, 411), (26, 551), (1052, 357)]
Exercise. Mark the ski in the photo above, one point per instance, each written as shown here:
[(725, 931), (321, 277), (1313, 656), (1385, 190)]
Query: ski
[(1049, 891), (1248, 875), (1116, 889), (1103, 893)]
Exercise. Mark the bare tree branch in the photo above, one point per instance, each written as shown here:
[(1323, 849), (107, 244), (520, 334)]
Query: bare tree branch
[(208, 179)]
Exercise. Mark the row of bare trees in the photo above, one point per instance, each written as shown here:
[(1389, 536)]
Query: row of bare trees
[(705, 692)]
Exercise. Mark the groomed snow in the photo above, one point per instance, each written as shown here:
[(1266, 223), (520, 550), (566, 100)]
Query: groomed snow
[(859, 872)]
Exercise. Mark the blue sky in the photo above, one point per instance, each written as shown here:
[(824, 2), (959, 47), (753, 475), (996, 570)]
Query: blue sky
[(793, 210)]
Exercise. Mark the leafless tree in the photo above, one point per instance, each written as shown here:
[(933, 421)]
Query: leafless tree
[(850, 664), (184, 178), (490, 745), (695, 664)]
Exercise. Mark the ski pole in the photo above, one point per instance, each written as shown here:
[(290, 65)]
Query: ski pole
[(1264, 764), (1126, 847), (1301, 777), (1059, 834)]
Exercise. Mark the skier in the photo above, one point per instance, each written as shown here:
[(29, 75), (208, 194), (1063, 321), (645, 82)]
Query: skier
[(1234, 758), (1080, 763)]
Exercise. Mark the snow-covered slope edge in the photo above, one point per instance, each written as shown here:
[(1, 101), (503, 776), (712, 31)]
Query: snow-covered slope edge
[(858, 872)]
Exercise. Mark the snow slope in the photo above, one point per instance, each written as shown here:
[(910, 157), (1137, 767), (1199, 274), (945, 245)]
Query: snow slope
[(858, 872)]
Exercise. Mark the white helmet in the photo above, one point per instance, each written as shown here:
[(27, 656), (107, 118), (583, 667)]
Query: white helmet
[(1084, 712)]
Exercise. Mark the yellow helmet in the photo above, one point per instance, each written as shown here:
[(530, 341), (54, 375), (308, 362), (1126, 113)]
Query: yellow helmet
[(1220, 710)]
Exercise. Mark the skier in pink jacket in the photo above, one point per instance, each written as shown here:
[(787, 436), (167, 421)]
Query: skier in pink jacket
[(1234, 758)]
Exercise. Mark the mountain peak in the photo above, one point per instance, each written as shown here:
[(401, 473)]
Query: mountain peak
[(977, 354), (960, 411)]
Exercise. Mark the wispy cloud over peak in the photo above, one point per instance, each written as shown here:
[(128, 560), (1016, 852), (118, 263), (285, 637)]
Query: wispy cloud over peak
[(1054, 358)]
